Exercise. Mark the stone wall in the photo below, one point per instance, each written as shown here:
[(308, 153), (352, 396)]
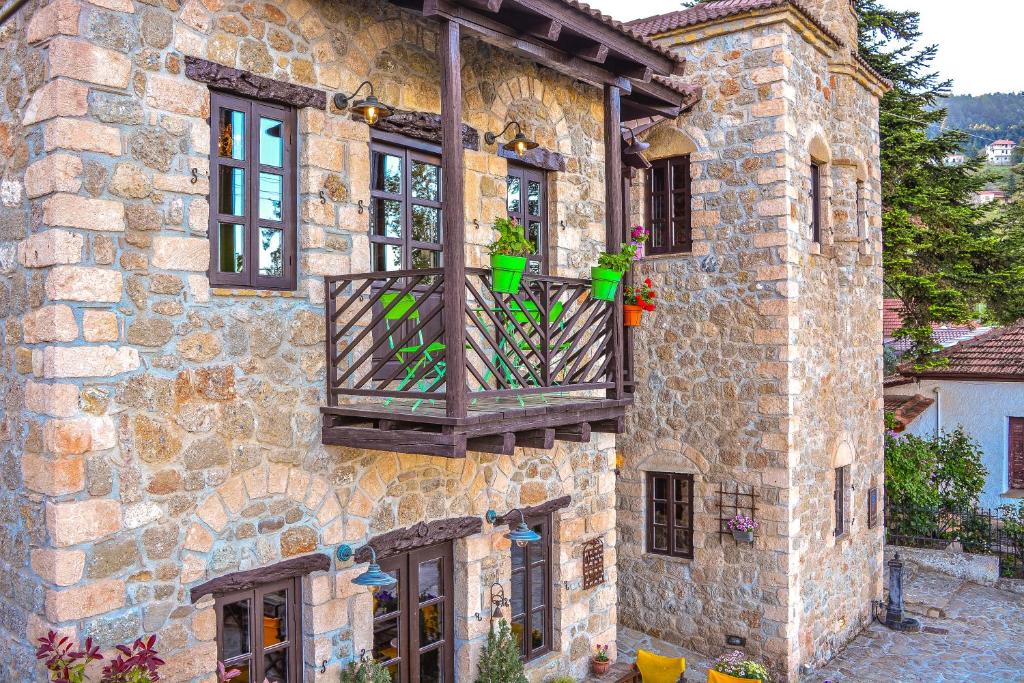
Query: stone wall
[(760, 365), (159, 432)]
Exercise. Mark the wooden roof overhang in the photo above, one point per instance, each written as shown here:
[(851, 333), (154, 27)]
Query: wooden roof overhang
[(577, 42)]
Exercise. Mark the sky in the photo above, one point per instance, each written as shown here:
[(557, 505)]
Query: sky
[(979, 49)]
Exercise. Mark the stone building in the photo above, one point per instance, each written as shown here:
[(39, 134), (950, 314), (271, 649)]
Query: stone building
[(246, 324), (761, 369)]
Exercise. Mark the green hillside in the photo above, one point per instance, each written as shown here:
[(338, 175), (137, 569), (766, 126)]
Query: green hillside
[(991, 117)]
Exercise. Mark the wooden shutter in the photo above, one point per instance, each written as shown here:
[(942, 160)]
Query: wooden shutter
[(1016, 453)]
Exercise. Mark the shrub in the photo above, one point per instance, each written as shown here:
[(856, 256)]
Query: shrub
[(620, 262), (366, 671), (943, 472), (511, 240), (733, 664), (500, 662), (138, 663), (562, 679)]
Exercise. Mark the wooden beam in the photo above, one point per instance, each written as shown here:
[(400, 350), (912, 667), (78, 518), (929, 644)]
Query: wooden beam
[(503, 444), (615, 425), (642, 72), (491, 6), (537, 438), (250, 85), (594, 52), (419, 536), (544, 28), (614, 229), (454, 240), (398, 441), (578, 433), (544, 508), (240, 581)]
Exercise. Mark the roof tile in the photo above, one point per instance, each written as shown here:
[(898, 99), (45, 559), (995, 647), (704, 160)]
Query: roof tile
[(998, 354)]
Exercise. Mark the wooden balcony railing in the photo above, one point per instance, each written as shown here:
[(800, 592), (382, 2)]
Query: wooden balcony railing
[(386, 338)]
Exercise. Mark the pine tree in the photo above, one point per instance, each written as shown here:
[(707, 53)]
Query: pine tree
[(938, 248), (500, 661)]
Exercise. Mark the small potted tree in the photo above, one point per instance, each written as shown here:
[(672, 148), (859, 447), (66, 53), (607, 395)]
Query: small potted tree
[(638, 299), (609, 270), (500, 661), (732, 667), (365, 671), (600, 662), (508, 255), (742, 528)]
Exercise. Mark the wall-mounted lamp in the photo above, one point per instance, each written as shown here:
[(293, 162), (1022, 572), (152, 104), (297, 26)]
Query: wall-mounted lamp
[(519, 145), (521, 535), (374, 577), (370, 108), (635, 146)]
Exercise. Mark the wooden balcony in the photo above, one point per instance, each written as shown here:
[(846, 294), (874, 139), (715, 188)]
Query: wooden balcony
[(493, 372)]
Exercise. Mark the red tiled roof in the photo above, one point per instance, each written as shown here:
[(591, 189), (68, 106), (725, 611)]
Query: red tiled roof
[(713, 11), (625, 28), (998, 354), (1005, 142), (906, 409), (892, 316)]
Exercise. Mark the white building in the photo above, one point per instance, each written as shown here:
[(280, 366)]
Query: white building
[(1000, 152), (980, 390), (957, 159)]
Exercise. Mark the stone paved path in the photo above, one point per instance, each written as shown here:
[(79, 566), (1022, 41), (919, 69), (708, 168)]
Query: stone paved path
[(979, 638), (974, 634)]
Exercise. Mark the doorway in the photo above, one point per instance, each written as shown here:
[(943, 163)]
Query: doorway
[(413, 624)]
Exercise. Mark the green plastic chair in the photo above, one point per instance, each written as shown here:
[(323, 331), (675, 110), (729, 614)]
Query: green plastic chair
[(527, 315), (427, 350)]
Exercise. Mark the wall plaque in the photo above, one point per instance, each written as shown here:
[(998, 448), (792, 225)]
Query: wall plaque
[(593, 563), (872, 507)]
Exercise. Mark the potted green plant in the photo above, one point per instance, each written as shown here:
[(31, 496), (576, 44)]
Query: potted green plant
[(609, 270), (500, 661), (365, 671), (734, 665), (600, 662), (742, 528), (508, 255)]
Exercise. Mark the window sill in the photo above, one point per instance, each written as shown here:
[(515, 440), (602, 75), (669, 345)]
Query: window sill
[(663, 257), (262, 293), (671, 558), (542, 661)]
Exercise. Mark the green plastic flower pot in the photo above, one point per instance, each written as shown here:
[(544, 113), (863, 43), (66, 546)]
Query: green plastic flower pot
[(605, 283), (506, 272)]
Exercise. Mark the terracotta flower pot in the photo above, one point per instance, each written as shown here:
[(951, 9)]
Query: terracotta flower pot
[(631, 315), (599, 668)]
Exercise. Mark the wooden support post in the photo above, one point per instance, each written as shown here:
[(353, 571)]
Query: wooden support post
[(613, 216), (454, 224), (616, 425)]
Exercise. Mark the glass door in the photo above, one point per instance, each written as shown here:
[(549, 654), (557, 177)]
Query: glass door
[(527, 203), (413, 627)]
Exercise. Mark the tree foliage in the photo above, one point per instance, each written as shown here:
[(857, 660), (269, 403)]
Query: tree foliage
[(500, 661), (944, 472)]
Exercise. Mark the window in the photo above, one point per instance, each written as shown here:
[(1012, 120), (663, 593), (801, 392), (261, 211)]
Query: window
[(527, 203), (259, 632), (815, 203), (670, 514), (531, 591), (839, 500), (862, 211), (413, 621), (1016, 453), (405, 207), (667, 200), (252, 194)]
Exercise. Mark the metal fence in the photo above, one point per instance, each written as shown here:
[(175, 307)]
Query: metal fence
[(986, 532)]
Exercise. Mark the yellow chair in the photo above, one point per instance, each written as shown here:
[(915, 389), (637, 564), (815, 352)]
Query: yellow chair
[(718, 677), (657, 669)]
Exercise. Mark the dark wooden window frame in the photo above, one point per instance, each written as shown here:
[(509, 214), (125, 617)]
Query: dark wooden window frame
[(409, 150), (526, 175), (677, 231), (250, 277), (671, 503), (406, 564), (1015, 453), (839, 500), (294, 642), (816, 202), (542, 525)]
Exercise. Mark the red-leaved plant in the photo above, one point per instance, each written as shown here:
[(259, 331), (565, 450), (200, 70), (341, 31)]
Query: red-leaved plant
[(65, 664), (136, 664)]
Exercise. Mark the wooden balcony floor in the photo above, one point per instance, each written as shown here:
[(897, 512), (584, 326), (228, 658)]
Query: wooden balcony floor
[(494, 425)]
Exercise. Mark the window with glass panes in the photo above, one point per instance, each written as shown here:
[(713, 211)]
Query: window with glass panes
[(667, 206), (252, 194), (405, 207), (259, 632), (531, 591), (527, 203), (670, 514)]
